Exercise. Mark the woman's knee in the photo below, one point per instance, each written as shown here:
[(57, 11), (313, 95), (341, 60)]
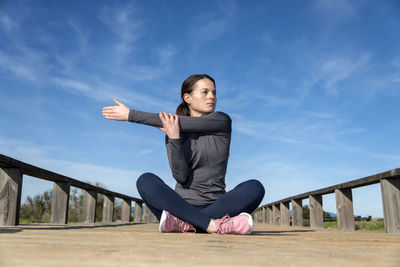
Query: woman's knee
[(256, 188), (145, 180)]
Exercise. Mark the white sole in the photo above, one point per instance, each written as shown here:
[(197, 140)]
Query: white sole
[(250, 222), (162, 220)]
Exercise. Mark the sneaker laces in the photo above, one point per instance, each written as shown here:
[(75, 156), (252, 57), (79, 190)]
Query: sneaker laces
[(224, 225)]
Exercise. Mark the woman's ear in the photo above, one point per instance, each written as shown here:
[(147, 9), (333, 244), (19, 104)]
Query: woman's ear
[(187, 98)]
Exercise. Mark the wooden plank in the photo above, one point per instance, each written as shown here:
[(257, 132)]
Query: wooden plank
[(285, 213), (390, 189), (126, 211), (276, 213), (37, 172), (10, 196), (297, 212), (270, 217), (108, 209), (138, 212), (344, 209), (89, 206), (59, 203), (316, 213)]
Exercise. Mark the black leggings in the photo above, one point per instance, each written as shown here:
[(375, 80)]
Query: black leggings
[(158, 196)]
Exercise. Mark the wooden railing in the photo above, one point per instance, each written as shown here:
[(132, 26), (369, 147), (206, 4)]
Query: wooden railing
[(11, 175), (278, 212)]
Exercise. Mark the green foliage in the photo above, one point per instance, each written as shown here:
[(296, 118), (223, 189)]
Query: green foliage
[(75, 205), (360, 225), (36, 209), (306, 213)]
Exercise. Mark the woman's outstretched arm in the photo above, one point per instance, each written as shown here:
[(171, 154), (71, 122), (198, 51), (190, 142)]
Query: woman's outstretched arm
[(216, 122)]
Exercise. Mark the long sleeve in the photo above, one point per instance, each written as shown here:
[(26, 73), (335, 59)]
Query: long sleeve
[(177, 159), (213, 123)]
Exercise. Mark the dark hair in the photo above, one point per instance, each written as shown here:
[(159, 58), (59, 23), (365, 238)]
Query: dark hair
[(187, 88)]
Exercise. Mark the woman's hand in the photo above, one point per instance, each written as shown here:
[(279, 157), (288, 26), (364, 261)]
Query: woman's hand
[(118, 113), (170, 125)]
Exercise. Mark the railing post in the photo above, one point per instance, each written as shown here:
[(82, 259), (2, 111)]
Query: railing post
[(146, 215), (257, 216), (285, 214), (270, 219), (276, 213), (390, 189), (89, 206), (297, 212), (316, 213), (59, 203), (138, 212), (264, 214), (344, 209), (126, 211), (108, 209), (10, 195)]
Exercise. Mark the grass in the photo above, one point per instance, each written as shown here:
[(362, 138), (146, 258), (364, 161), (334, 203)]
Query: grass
[(378, 226)]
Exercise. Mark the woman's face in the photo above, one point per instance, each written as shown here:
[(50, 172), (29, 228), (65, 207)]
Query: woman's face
[(202, 100)]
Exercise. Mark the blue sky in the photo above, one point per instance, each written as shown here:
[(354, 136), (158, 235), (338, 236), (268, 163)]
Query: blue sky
[(311, 87)]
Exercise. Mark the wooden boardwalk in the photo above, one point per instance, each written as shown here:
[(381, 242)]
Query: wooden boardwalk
[(143, 245)]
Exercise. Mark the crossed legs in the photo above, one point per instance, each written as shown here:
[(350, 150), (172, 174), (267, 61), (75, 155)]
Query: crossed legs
[(158, 196)]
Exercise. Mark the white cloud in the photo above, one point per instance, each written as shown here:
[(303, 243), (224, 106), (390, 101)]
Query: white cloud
[(335, 12), (206, 27), (166, 52), (333, 70), (126, 24), (7, 23)]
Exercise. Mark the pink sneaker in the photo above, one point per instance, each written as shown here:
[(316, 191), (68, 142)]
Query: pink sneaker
[(238, 225), (170, 224)]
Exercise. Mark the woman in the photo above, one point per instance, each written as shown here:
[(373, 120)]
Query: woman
[(197, 141)]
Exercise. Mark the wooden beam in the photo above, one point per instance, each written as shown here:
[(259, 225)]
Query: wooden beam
[(59, 203), (31, 170), (285, 213), (138, 212), (372, 179), (126, 211), (390, 189), (297, 212), (344, 209), (89, 206), (276, 213), (10, 196), (108, 209), (316, 213)]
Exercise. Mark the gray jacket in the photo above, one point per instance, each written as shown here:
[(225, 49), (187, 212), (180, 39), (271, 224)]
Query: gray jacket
[(198, 159)]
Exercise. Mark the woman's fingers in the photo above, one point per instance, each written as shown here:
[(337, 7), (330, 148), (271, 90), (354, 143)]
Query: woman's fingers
[(119, 112), (117, 102)]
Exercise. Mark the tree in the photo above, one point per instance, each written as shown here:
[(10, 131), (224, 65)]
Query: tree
[(36, 209), (306, 213)]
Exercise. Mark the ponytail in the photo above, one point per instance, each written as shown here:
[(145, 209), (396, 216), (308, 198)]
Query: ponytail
[(183, 109)]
